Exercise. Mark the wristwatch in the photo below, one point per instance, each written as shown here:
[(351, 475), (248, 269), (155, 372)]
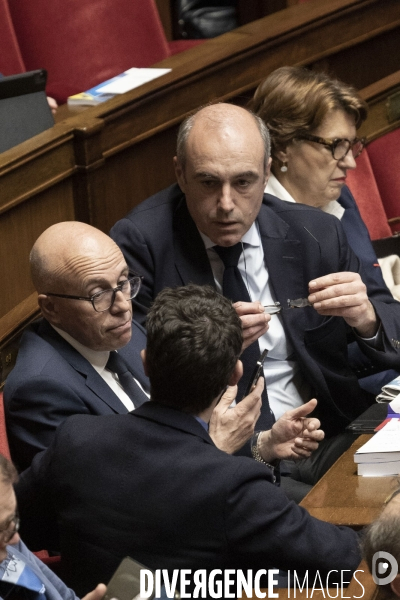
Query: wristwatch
[(255, 452)]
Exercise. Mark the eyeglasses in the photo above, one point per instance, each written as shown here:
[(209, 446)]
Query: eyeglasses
[(339, 147), (8, 532), (102, 301)]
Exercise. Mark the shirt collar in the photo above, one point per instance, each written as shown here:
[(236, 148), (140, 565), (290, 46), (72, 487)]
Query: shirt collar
[(251, 237), (200, 420), (96, 358), (275, 188)]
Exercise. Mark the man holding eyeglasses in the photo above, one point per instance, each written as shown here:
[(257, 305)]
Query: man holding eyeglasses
[(284, 253), (83, 357)]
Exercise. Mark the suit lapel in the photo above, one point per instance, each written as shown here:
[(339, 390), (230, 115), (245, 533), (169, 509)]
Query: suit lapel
[(283, 259), (190, 255), (92, 379)]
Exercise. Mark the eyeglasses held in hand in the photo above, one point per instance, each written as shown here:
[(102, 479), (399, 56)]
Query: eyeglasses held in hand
[(273, 309)]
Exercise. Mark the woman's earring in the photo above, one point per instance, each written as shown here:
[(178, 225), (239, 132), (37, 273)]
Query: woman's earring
[(283, 168)]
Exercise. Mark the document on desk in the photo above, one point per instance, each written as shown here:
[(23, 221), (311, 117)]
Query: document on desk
[(126, 81), (380, 456)]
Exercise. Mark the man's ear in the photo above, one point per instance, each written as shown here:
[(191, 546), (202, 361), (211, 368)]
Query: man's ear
[(395, 585), (179, 174), (143, 357), (267, 171), (237, 373), (49, 309)]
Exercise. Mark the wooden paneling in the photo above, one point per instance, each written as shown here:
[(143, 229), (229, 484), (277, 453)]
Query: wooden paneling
[(98, 163), (383, 99)]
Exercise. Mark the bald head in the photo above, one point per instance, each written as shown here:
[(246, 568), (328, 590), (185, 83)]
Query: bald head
[(218, 117), (60, 252), (222, 169), (79, 261)]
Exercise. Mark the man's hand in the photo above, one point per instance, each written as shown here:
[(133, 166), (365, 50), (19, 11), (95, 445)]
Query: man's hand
[(97, 593), (230, 428), (254, 321), (293, 436), (344, 295)]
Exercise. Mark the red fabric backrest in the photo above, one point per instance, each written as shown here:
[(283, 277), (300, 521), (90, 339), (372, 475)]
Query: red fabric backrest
[(82, 43), (384, 154), (363, 186), (10, 55), (4, 448)]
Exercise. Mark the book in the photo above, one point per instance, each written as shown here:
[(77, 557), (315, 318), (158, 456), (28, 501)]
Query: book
[(380, 456), (379, 469), (128, 80)]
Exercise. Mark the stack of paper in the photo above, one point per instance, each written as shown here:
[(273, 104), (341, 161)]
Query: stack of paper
[(389, 391), (380, 456), (128, 80)]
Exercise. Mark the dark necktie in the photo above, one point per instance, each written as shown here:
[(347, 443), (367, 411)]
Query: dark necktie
[(117, 365), (234, 288)]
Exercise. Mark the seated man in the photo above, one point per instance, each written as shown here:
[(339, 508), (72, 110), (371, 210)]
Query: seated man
[(62, 365), (216, 226), (154, 486), (22, 575), (67, 362)]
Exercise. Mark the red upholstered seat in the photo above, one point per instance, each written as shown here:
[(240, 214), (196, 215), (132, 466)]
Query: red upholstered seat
[(4, 448), (384, 154), (363, 186), (10, 55), (84, 42)]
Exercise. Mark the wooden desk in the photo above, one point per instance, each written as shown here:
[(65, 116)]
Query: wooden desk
[(343, 498)]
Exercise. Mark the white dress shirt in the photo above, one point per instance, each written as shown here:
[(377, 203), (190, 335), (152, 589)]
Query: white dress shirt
[(285, 384), (98, 360), (275, 188)]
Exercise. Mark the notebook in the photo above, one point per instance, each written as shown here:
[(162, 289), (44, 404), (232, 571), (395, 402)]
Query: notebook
[(370, 419), (24, 110)]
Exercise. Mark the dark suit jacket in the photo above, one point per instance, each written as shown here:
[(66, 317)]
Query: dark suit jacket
[(359, 240), (160, 241), (153, 486), (52, 381)]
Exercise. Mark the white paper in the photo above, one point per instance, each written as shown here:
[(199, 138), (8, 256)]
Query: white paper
[(132, 78), (386, 439)]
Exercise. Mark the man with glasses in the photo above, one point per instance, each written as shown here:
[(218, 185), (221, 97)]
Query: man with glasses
[(65, 364), (83, 357), (284, 252), (22, 575)]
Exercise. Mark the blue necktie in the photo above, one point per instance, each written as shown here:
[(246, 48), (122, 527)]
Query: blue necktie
[(117, 365), (234, 288)]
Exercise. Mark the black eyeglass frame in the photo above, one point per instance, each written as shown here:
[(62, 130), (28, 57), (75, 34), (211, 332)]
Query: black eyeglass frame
[(333, 144), (118, 288), (7, 533)]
